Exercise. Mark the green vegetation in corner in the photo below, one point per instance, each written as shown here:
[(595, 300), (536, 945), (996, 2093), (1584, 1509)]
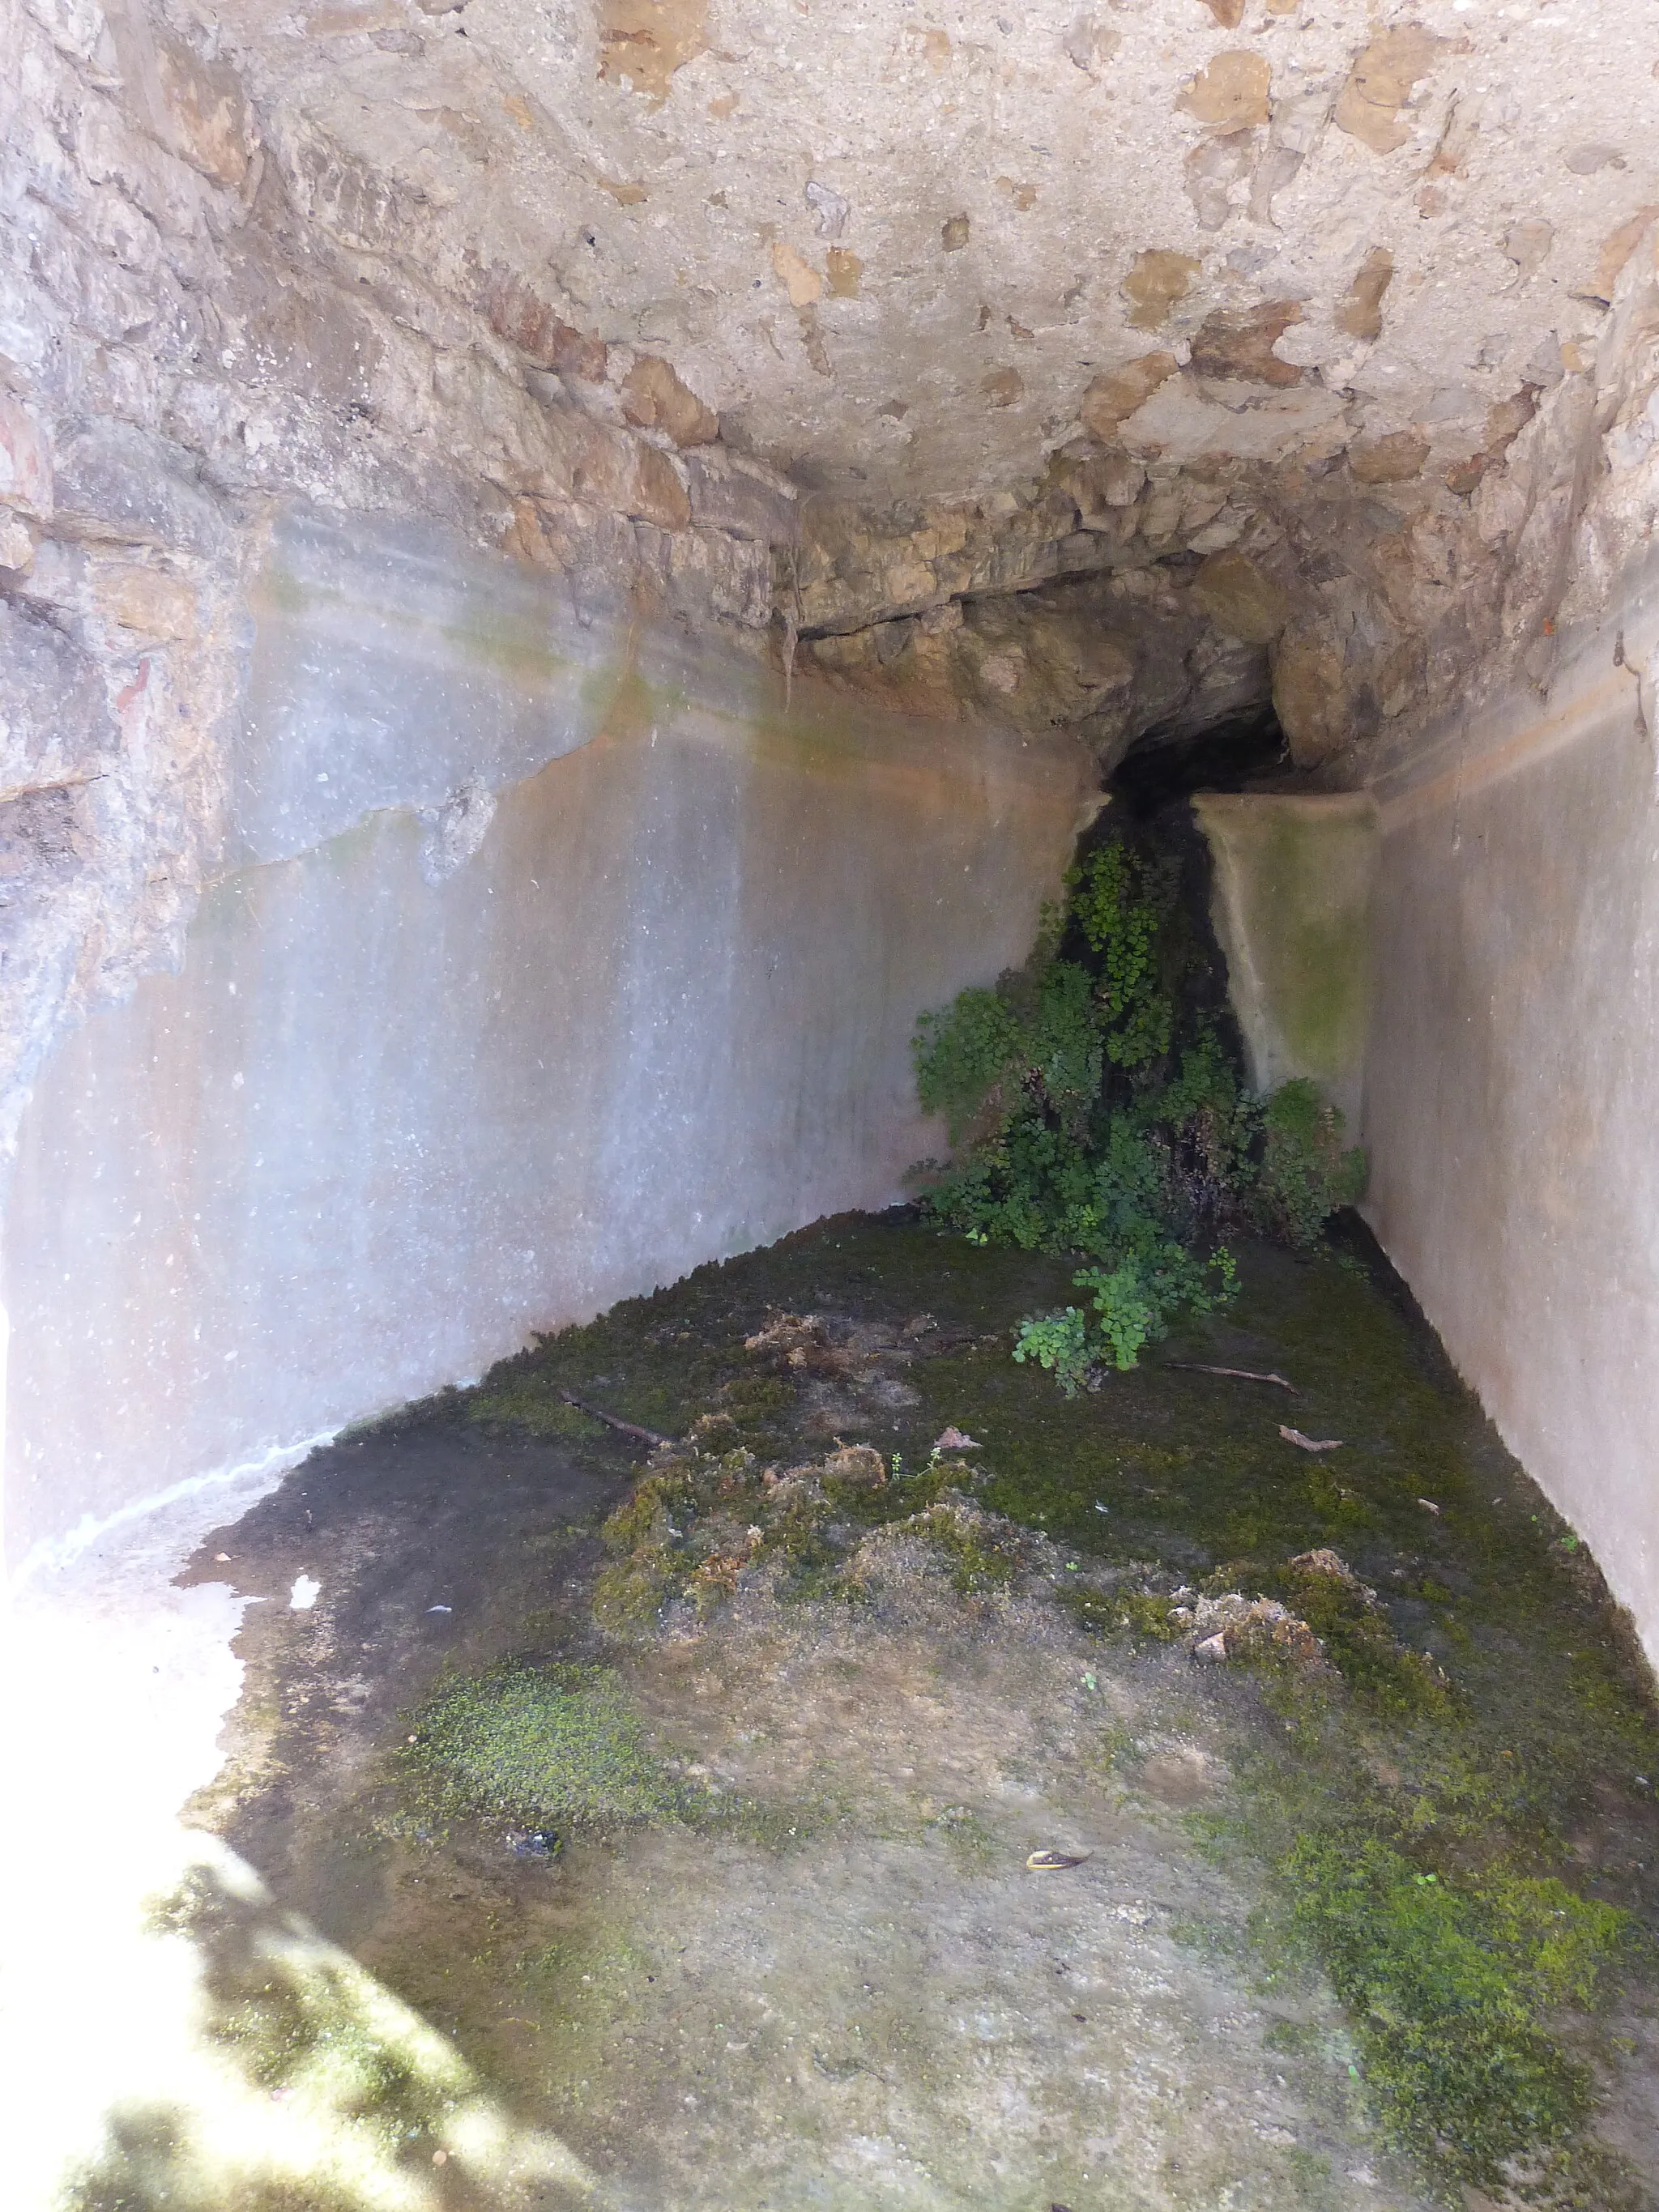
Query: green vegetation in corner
[(1095, 1115), (1450, 1984), (1304, 1173)]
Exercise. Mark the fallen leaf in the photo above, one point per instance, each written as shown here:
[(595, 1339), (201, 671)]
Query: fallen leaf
[(1049, 1861), (1430, 1504), (1310, 1443), (953, 1439)]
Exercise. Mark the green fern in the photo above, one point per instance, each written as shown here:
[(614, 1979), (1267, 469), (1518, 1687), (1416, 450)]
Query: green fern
[(1060, 1342), (1095, 1127), (1305, 1173)]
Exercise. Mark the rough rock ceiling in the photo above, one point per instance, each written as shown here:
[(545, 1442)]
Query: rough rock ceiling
[(892, 245)]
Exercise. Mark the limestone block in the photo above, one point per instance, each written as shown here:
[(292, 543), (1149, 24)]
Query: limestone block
[(146, 601), (304, 337), (643, 42), (38, 162), (26, 472), (589, 460), (658, 494), (1308, 693), (123, 231), (1158, 278), (1381, 83), (517, 312), (1395, 458), (111, 152), (1231, 92), (1215, 536), (345, 196), (1104, 487), (1181, 423), (208, 116), (1359, 311), (1088, 44), (24, 326), (1211, 170), (55, 721), (704, 573), (100, 300), (118, 481), (1240, 598), (1116, 393), (1398, 678), (74, 27), (1239, 343), (798, 278), (16, 543), (654, 399), (728, 494), (1500, 505)]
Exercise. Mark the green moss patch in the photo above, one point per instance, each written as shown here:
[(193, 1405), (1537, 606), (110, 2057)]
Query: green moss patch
[(542, 1747), (533, 1404), (691, 1530), (1451, 1986)]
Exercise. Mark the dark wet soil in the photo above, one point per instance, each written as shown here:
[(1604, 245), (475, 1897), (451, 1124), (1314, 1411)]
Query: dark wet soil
[(431, 1538)]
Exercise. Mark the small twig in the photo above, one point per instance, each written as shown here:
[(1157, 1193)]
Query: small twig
[(610, 1420), (1243, 1374)]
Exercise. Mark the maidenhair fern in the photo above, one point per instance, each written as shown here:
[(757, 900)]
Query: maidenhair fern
[(1095, 1114)]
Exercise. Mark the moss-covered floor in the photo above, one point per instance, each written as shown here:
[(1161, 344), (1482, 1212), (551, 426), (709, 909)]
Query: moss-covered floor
[(1371, 1928)]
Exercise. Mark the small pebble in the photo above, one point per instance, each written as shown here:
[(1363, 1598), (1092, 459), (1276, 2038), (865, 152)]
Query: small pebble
[(536, 1844)]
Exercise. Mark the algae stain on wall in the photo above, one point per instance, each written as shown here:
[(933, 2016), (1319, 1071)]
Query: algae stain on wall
[(1293, 882), (380, 1122)]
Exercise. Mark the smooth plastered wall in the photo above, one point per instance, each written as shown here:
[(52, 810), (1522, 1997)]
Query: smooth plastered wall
[(1293, 877), (548, 961), (1513, 1069)]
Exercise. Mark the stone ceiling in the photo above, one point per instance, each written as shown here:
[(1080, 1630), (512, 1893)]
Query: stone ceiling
[(893, 246), (1207, 329)]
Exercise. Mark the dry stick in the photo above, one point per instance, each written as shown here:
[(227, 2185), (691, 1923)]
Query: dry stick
[(625, 1428), (1243, 1374)]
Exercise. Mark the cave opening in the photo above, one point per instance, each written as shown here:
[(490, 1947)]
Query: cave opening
[(1245, 752)]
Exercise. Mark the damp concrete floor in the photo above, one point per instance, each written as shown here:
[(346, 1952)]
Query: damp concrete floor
[(1354, 1906)]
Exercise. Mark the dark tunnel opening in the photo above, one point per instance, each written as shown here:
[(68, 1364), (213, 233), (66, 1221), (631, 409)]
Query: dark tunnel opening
[(1246, 752)]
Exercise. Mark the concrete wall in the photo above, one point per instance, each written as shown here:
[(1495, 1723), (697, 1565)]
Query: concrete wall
[(1294, 876), (1512, 1075), (546, 961)]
